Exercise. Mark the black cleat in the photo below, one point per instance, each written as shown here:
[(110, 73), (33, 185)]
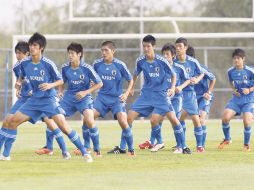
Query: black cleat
[(117, 150), (187, 151)]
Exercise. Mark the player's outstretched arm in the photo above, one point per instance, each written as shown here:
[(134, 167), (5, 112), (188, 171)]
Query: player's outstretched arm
[(125, 95), (47, 86), (182, 86)]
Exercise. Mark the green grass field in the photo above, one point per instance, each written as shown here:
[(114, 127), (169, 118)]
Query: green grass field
[(228, 169)]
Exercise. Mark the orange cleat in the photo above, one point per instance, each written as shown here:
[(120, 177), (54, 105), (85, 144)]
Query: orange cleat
[(146, 145), (44, 150), (224, 143)]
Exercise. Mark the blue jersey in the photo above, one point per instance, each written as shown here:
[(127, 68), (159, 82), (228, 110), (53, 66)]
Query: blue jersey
[(156, 73), (181, 75), (43, 72), (112, 76), (203, 85), (78, 79), (242, 79), (193, 69), (26, 87)]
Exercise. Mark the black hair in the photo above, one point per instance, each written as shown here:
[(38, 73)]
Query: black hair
[(78, 48), (38, 38), (110, 44), (22, 46), (182, 40), (238, 52), (190, 51), (149, 39), (169, 47)]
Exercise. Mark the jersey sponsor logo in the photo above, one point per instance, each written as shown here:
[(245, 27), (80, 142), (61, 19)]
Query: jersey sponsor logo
[(37, 78), (113, 72), (77, 82), (106, 77), (157, 69), (153, 75), (42, 72), (82, 77)]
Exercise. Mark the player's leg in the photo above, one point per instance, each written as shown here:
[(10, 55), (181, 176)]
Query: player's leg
[(8, 133), (126, 131), (203, 116), (247, 118)]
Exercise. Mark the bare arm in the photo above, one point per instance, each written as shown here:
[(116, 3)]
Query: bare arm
[(196, 80), (207, 95), (125, 95), (47, 86), (93, 88), (182, 86)]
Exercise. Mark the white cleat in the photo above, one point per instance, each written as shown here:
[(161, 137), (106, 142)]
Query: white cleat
[(66, 156), (3, 158), (88, 158), (178, 151), (157, 147)]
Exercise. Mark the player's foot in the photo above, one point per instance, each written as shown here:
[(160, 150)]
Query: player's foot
[(174, 147), (77, 152), (246, 148), (131, 153), (157, 147), (117, 150), (66, 156), (224, 143), (88, 158), (97, 154), (3, 158), (186, 150), (178, 151), (146, 145), (44, 150), (200, 149)]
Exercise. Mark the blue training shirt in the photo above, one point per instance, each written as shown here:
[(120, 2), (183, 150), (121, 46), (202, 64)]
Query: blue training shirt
[(78, 79), (43, 72), (156, 73), (242, 79), (203, 85), (193, 69), (112, 76)]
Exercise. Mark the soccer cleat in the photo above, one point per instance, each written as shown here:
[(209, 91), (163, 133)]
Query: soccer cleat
[(77, 152), (117, 150), (97, 154), (224, 143), (131, 153), (88, 158), (146, 145), (178, 151), (200, 150), (157, 147), (246, 148), (186, 150), (66, 156), (44, 150), (3, 158)]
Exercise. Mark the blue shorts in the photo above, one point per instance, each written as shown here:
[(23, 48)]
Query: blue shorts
[(36, 108), (177, 103), (103, 107), (240, 107), (204, 104), (152, 102), (71, 107), (18, 104), (190, 104)]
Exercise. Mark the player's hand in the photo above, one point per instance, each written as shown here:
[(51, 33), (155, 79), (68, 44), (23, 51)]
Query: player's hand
[(60, 95), (236, 93), (178, 89), (193, 80), (246, 91), (17, 86), (132, 92), (81, 95), (207, 96), (123, 97), (171, 92), (45, 86), (92, 83), (18, 92)]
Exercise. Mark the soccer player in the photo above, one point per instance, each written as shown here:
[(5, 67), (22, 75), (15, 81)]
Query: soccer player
[(111, 96), (169, 52), (155, 92), (241, 78), (204, 93), (43, 77), (190, 105)]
